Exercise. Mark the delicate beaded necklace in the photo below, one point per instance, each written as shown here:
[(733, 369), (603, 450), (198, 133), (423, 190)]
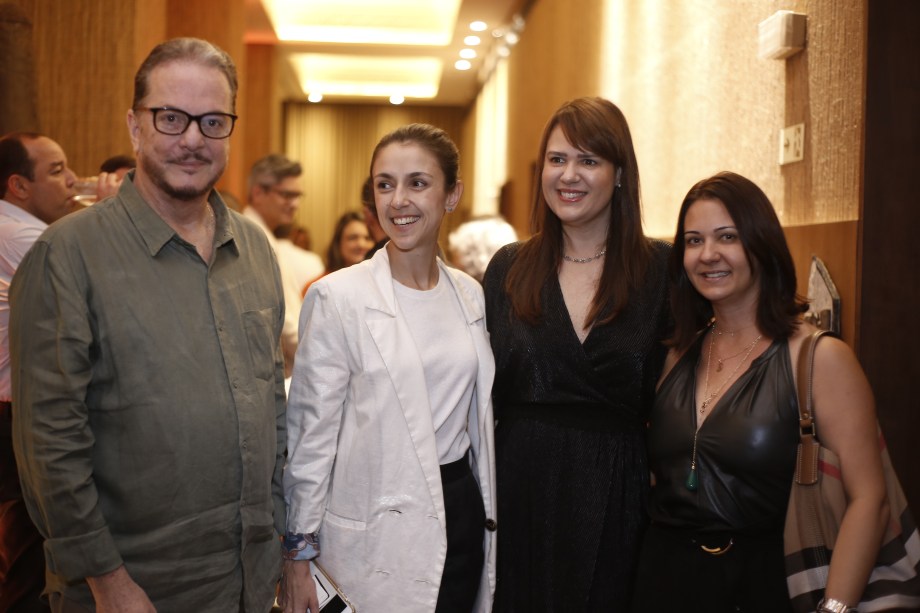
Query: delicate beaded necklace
[(692, 478), (596, 256)]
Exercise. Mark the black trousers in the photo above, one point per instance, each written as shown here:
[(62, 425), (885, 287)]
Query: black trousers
[(466, 519), (675, 574)]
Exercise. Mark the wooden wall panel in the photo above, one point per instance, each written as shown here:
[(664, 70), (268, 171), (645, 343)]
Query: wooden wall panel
[(557, 59), (835, 244), (261, 125), (223, 24), (18, 112), (889, 286), (84, 67)]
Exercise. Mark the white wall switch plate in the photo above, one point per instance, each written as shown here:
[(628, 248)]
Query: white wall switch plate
[(791, 144)]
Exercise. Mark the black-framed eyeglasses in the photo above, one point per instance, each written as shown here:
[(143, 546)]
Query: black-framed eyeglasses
[(174, 122)]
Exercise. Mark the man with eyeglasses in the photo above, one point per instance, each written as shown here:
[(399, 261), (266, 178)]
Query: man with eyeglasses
[(274, 196), (148, 378)]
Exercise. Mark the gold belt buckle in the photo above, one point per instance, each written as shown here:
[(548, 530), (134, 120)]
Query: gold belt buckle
[(717, 551)]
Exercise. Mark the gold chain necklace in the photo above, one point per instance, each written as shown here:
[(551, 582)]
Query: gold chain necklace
[(709, 397), (720, 362), (692, 479)]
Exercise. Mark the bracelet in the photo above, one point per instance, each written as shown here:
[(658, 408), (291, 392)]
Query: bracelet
[(296, 546), (832, 605)]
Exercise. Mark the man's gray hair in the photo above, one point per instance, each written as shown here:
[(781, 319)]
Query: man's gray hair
[(185, 49), (271, 169)]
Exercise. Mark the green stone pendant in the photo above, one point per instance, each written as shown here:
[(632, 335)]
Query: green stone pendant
[(692, 480)]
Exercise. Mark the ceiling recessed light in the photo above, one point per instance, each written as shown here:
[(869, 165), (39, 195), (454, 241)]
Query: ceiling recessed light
[(512, 38), (478, 26), (462, 65), (362, 75), (467, 54), (471, 41), (368, 21), (315, 97), (397, 99)]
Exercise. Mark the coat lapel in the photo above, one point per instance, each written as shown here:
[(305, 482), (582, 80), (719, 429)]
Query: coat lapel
[(397, 349)]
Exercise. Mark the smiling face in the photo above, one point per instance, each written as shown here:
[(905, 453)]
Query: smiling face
[(356, 242), (714, 257), (183, 167), (411, 196), (578, 185)]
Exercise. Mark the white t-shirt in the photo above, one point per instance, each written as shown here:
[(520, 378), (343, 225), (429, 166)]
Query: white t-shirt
[(443, 340)]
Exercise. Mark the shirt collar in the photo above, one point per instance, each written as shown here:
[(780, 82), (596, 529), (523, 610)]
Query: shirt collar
[(8, 209), (155, 231)]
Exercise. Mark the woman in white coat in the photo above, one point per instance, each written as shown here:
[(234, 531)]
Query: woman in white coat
[(390, 475)]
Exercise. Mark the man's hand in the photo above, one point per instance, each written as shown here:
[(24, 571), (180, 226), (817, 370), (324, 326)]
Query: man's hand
[(107, 185), (298, 592), (116, 592)]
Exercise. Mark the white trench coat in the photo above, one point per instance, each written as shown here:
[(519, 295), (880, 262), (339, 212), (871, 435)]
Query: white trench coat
[(363, 466)]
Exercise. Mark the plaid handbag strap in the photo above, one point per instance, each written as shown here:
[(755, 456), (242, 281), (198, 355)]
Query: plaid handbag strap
[(806, 468)]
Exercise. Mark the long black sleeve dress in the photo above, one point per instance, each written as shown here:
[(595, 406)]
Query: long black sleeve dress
[(572, 473)]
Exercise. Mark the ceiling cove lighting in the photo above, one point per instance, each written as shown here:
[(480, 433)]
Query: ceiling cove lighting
[(364, 21), (361, 75)]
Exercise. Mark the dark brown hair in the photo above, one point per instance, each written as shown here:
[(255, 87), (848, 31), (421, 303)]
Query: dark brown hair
[(598, 126), (334, 259), (764, 244), (435, 140)]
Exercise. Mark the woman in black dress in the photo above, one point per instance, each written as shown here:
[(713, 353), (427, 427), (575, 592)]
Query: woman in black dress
[(576, 316)]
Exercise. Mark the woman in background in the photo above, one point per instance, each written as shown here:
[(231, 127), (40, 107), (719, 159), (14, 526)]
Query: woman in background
[(351, 240), (576, 316), (725, 424), (391, 461)]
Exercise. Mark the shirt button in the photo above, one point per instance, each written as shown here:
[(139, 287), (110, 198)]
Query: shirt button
[(491, 525)]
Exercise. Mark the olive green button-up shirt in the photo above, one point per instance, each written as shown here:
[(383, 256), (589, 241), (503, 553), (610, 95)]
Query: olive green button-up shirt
[(148, 394)]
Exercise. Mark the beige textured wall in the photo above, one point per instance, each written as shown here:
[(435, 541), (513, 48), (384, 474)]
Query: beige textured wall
[(698, 98)]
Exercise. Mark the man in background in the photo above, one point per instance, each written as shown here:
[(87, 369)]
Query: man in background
[(36, 188), (148, 386), (119, 165), (274, 195)]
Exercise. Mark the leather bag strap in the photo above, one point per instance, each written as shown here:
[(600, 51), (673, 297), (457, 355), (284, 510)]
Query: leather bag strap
[(806, 469)]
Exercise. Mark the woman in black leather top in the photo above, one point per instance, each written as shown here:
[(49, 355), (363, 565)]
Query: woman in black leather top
[(577, 316), (724, 426)]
